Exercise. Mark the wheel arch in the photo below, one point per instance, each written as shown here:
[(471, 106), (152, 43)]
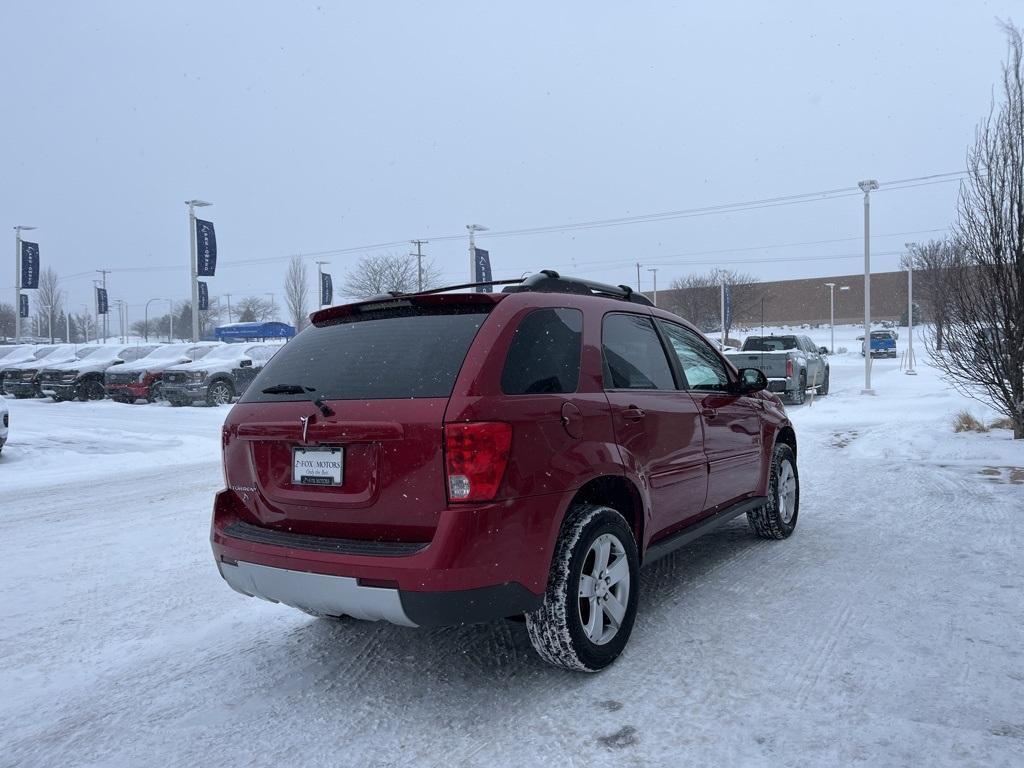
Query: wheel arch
[(619, 493)]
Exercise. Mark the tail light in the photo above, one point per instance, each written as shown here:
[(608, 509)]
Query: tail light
[(789, 368), (476, 455)]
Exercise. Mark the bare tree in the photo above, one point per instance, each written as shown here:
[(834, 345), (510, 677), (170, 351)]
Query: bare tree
[(253, 309), (208, 319), (698, 297), (983, 354), (6, 320), (296, 292), (49, 302), (934, 265), (384, 272)]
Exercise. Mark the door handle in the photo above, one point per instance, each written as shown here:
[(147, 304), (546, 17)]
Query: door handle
[(632, 413), (709, 413)]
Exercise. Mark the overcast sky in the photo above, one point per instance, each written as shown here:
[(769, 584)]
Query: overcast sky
[(319, 127)]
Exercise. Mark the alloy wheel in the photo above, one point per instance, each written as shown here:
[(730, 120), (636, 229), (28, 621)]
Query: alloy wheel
[(604, 589), (786, 492)]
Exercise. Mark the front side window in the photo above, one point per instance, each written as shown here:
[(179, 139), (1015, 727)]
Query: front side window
[(704, 370), (544, 356), (633, 355)]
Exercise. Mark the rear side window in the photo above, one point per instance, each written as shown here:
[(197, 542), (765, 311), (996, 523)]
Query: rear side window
[(389, 354), (633, 355), (544, 356)]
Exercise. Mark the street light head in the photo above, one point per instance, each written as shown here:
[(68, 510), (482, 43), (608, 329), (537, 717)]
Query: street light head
[(830, 285), (24, 228), (867, 185), (197, 203), (844, 287), (477, 228)]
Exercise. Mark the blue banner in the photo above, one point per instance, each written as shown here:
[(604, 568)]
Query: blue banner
[(326, 289), (23, 305), (101, 301), (206, 249), (482, 269), (29, 264), (727, 293), (204, 296)]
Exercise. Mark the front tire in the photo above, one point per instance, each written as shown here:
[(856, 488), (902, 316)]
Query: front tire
[(153, 393), (777, 518), (219, 393), (591, 599)]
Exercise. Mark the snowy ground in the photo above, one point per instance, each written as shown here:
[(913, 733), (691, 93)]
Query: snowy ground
[(888, 631)]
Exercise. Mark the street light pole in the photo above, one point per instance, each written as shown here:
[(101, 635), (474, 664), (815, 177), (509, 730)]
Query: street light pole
[(655, 273), (229, 306), (106, 315), (192, 205), (17, 278), (866, 187)]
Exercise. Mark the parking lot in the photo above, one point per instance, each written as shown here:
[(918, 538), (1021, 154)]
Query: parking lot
[(888, 630)]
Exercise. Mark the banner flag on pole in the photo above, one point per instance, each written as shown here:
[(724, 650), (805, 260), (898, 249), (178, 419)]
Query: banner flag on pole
[(29, 264), (728, 305), (101, 301), (204, 296), (326, 289), (23, 305), (482, 269), (206, 249)]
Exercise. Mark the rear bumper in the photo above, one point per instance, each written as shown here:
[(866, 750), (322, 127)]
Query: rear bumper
[(778, 385), (325, 595), (483, 563)]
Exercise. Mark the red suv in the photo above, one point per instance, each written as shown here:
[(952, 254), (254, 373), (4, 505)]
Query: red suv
[(446, 458)]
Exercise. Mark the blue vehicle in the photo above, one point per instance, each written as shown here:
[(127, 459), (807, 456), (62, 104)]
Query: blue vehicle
[(883, 344)]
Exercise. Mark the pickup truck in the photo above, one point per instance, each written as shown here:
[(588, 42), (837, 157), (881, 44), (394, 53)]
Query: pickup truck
[(83, 378), (127, 383), (218, 377), (791, 364), (21, 379)]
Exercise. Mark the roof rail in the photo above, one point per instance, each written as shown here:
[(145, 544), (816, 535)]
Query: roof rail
[(549, 281)]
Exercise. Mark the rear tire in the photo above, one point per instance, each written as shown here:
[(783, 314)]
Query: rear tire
[(823, 389), (777, 518), (798, 396), (591, 599)]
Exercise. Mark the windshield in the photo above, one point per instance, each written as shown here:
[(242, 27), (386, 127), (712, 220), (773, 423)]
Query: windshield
[(198, 353), (169, 352), (10, 352), (230, 352)]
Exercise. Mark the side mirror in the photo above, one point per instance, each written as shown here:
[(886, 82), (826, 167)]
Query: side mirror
[(751, 380), (822, 350), (118, 362), (245, 364)]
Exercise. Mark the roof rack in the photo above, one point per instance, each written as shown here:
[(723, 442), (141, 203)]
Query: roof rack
[(549, 281), (545, 281)]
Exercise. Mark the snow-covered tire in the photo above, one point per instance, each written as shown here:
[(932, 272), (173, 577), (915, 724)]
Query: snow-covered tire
[(220, 392), (556, 629), (823, 389), (153, 393), (777, 518)]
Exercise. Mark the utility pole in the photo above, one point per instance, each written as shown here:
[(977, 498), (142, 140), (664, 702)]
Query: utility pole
[(473, 228), (866, 187), (419, 261), (17, 278), (192, 205), (655, 273), (638, 277), (320, 283), (273, 307), (229, 306), (106, 322), (910, 311)]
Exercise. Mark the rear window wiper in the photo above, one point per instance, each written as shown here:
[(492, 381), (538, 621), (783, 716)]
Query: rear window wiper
[(297, 389)]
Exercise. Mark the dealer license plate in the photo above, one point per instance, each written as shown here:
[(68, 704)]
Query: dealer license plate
[(317, 466)]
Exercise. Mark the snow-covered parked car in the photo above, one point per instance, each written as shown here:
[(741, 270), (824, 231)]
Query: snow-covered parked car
[(83, 378), (22, 379), (141, 379), (218, 377)]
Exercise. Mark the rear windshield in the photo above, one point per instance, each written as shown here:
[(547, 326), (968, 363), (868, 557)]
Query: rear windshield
[(396, 353), (769, 343)]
